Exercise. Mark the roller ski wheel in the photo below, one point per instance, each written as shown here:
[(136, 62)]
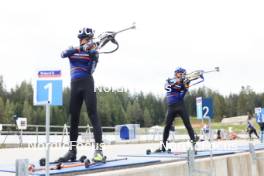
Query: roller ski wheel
[(31, 167), (148, 151), (87, 163), (42, 162)]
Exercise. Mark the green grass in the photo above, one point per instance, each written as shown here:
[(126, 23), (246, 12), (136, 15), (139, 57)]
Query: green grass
[(197, 125)]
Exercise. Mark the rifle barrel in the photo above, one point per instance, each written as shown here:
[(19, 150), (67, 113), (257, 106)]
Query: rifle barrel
[(214, 70), (132, 27)]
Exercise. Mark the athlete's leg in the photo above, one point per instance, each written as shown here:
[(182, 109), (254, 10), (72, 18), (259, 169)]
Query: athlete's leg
[(250, 132), (255, 132), (169, 120), (76, 100), (91, 105), (75, 107), (186, 121)]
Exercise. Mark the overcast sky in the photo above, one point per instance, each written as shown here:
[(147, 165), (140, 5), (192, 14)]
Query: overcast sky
[(198, 34)]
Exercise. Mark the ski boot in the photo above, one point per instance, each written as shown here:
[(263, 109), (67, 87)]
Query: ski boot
[(70, 156), (162, 148), (159, 150), (196, 139), (98, 154)]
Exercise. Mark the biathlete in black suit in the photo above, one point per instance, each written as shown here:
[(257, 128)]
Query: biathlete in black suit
[(83, 61), (176, 89)]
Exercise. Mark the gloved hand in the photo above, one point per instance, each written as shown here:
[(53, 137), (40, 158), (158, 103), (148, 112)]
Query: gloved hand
[(171, 81), (87, 47), (93, 54), (186, 81)]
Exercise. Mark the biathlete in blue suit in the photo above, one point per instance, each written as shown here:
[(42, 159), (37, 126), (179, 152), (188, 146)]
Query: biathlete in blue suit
[(250, 126), (83, 61), (176, 89)]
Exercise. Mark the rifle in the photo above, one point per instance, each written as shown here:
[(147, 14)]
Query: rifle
[(198, 75), (109, 36)]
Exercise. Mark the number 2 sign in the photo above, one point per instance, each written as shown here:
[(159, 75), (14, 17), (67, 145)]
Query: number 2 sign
[(204, 108), (259, 114), (48, 88)]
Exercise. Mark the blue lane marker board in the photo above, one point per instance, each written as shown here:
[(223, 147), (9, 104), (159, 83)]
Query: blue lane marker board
[(259, 114), (48, 88), (204, 108)]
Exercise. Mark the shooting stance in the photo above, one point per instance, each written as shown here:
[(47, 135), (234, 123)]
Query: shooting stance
[(250, 126), (176, 89), (83, 61)]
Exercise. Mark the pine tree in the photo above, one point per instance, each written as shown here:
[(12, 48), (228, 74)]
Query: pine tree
[(9, 111), (27, 112), (147, 118), (2, 110)]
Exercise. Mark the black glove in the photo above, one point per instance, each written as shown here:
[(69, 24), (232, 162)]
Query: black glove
[(87, 46), (186, 81), (171, 81)]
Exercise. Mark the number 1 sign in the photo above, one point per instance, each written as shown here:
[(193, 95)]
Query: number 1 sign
[(48, 92), (48, 88)]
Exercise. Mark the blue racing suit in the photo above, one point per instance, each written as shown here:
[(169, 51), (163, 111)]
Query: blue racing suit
[(83, 64), (176, 91)]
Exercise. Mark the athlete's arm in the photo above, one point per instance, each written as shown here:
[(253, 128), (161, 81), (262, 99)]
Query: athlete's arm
[(69, 52)]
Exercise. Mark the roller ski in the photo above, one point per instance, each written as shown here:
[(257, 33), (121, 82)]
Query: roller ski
[(162, 150), (70, 156), (87, 163), (58, 165), (32, 168), (42, 161)]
